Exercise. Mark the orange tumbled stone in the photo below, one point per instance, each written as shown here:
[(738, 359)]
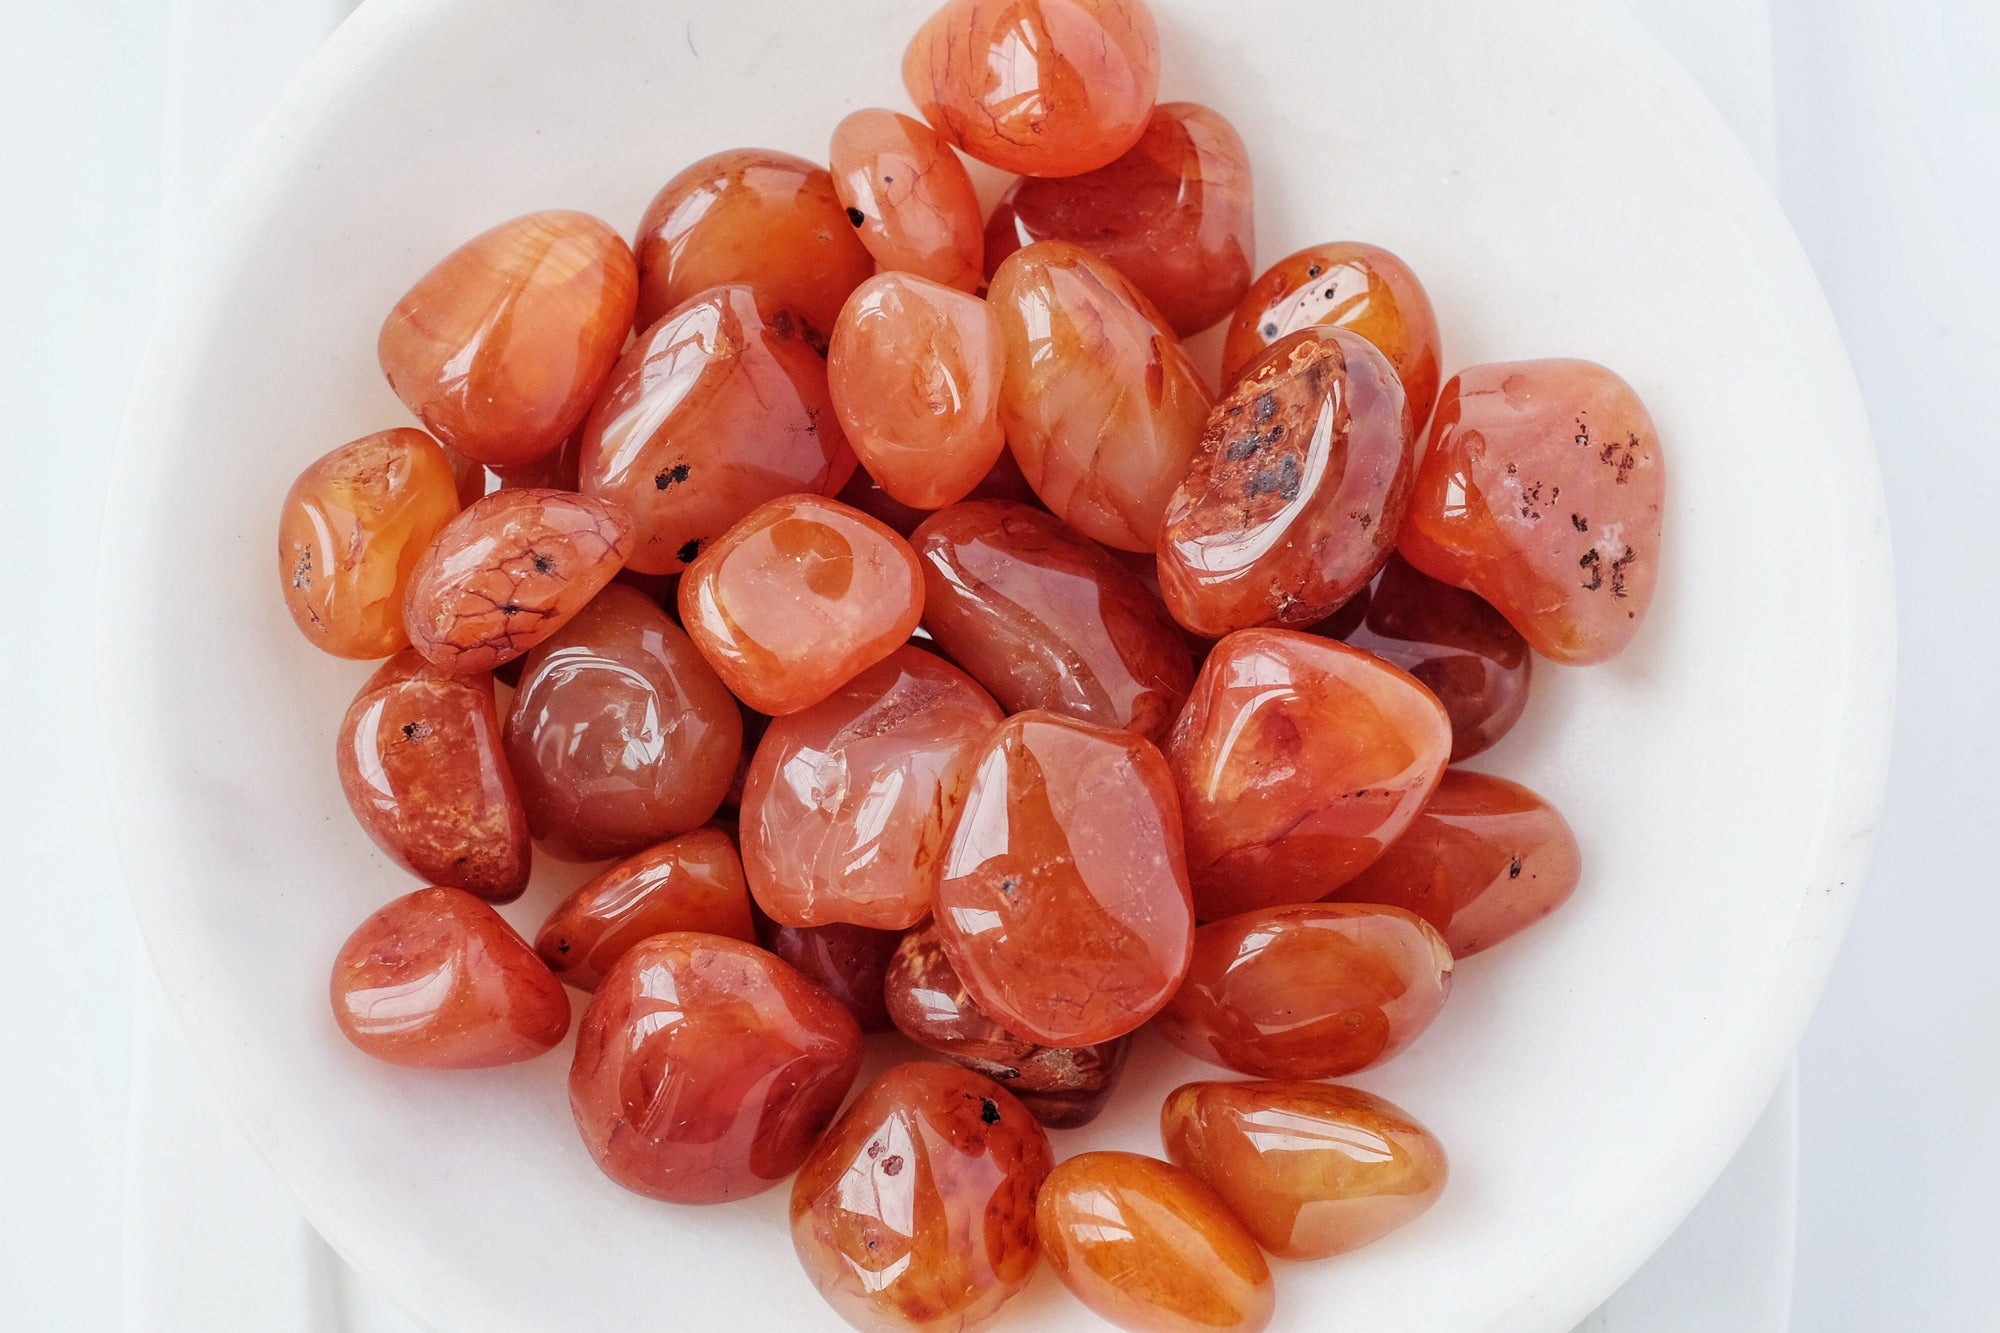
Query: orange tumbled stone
[(438, 980), (917, 1210), (706, 1069), (1311, 990), (846, 803), (1311, 1169), (501, 348), (1542, 492), (717, 408), (693, 882), (1062, 895), (848, 962), (353, 527), (750, 215), (1150, 1247), (908, 197), (1298, 761), (799, 598), (1101, 404), (914, 372)]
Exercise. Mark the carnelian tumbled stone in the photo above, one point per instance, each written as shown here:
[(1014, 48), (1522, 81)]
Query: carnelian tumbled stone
[(705, 1068), (798, 598), (848, 962), (620, 735), (1101, 404), (501, 348), (1345, 285), (914, 372), (422, 767), (1542, 491), (750, 215), (1296, 491), (846, 803), (1173, 215), (1486, 859), (438, 980), (1298, 761), (1311, 1169), (917, 1210), (1150, 1247), (1311, 990), (908, 196), (509, 572), (693, 882), (1045, 618), (717, 408), (352, 529), (1062, 894)]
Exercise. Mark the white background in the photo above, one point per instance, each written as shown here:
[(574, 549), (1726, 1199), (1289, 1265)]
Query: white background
[(1888, 138)]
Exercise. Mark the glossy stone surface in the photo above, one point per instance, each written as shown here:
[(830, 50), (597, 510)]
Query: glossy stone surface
[(914, 371), (750, 215), (500, 349), (620, 735), (1101, 404), (1348, 285), (1149, 1247), (908, 197), (848, 962), (1310, 1169), (422, 768), (1486, 859), (719, 407), (509, 572), (437, 980), (1174, 215), (1063, 1086), (693, 882), (1044, 618), (1296, 491), (917, 1210), (352, 529), (1062, 896), (1311, 990), (1298, 760), (846, 803), (798, 598), (1542, 492)]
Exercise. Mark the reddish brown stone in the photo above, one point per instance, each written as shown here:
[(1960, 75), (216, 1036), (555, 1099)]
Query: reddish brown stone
[(848, 962), (693, 882)]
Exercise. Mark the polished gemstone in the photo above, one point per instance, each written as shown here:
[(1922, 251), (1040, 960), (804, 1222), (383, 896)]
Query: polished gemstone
[(848, 962), (693, 882), (908, 197)]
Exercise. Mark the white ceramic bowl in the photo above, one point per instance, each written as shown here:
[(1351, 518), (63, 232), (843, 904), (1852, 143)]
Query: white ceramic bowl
[(1562, 189)]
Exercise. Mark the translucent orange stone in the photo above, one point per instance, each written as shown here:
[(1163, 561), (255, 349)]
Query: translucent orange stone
[(1062, 896), (1541, 491), (693, 882), (1173, 215), (846, 803), (908, 196), (438, 980), (1296, 491), (1046, 619), (750, 215), (1298, 760), (509, 572), (719, 407), (1310, 1168), (1311, 990), (1062, 1086), (1101, 404), (620, 735), (1042, 87), (705, 1068), (1149, 1247), (352, 529), (917, 1210), (914, 372), (501, 348), (1486, 859), (848, 962), (422, 768), (1345, 285)]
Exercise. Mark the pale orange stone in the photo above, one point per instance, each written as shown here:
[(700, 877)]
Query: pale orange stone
[(909, 197)]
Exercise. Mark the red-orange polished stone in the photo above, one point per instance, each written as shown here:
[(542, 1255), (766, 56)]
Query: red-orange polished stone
[(693, 882), (908, 196), (848, 962)]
